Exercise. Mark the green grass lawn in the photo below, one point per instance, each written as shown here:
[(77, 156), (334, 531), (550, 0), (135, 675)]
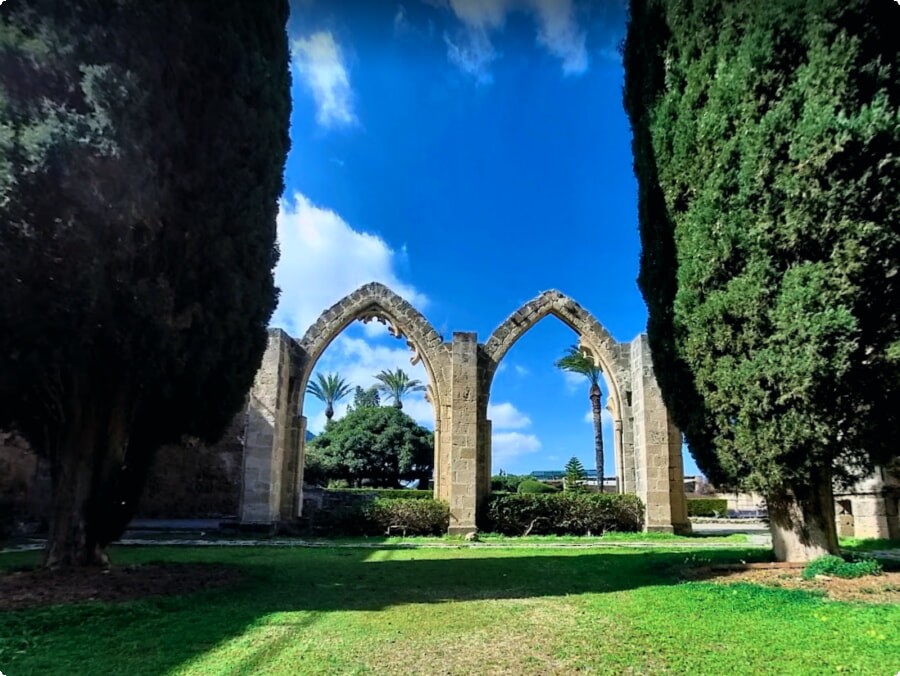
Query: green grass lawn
[(453, 611)]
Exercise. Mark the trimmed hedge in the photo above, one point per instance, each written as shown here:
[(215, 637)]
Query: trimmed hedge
[(409, 517), (533, 486), (707, 507), (389, 493), (563, 514), (384, 516)]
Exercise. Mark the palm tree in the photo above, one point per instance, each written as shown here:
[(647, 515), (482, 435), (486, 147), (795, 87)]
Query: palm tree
[(575, 361), (330, 389), (396, 384)]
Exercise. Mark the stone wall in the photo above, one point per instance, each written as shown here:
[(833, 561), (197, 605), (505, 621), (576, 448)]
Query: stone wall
[(187, 480)]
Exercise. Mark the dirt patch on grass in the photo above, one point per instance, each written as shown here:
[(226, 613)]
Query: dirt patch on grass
[(40, 587), (884, 588)]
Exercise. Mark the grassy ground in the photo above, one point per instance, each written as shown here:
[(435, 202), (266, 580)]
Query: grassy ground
[(453, 611)]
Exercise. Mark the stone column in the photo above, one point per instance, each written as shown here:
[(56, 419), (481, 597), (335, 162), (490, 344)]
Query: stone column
[(659, 474), (266, 432), (463, 433)]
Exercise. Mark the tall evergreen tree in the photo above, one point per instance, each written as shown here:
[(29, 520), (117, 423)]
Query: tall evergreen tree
[(141, 154), (767, 150)]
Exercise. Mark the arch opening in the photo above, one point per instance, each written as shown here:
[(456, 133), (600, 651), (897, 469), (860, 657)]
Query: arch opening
[(593, 341)]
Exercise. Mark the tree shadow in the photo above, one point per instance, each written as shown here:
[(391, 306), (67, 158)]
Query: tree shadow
[(168, 633)]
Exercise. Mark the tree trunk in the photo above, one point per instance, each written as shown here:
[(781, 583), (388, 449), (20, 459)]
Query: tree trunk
[(72, 473), (397, 403), (97, 479), (598, 433), (802, 522), (329, 411)]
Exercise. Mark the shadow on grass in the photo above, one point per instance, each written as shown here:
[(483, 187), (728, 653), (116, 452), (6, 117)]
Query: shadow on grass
[(164, 633)]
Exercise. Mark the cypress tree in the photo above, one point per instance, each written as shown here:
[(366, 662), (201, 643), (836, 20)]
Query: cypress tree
[(767, 150), (142, 146)]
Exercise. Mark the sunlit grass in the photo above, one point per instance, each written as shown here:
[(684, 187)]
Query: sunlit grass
[(457, 611)]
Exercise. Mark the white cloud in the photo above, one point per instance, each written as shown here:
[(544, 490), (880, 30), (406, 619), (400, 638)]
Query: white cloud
[(506, 446), (319, 61), (575, 382), (505, 416), (322, 260), (605, 418), (357, 361), (558, 33), (521, 370)]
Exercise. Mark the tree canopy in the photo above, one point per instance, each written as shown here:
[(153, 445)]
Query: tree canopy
[(767, 151), (377, 446), (141, 154)]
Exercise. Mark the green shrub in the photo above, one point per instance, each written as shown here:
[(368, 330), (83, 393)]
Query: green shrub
[(835, 566), (707, 507), (390, 493), (408, 517), (534, 486), (506, 483), (563, 514)]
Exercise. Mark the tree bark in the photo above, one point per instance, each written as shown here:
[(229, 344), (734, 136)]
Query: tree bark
[(596, 410), (802, 522), (97, 478)]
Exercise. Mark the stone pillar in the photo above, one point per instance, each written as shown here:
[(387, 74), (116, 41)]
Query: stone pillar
[(463, 433), (266, 432), (659, 474)]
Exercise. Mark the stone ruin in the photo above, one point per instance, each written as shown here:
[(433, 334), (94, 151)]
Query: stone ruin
[(647, 445)]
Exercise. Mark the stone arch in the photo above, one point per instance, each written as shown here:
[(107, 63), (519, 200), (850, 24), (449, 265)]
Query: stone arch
[(378, 302), (594, 340)]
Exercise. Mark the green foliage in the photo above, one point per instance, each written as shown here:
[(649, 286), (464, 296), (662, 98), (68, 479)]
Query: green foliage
[(835, 566), (377, 446), (397, 384), (534, 486), (409, 517), (390, 493), (575, 475), (142, 146), (576, 361), (365, 398), (767, 151), (508, 483), (338, 609), (707, 507), (564, 514)]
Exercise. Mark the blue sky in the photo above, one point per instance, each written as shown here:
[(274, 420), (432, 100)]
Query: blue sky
[(469, 154)]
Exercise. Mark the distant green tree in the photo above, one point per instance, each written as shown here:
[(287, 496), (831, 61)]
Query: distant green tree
[(397, 384), (767, 151), (576, 361), (575, 476), (506, 482), (329, 389), (365, 398), (142, 146), (375, 446)]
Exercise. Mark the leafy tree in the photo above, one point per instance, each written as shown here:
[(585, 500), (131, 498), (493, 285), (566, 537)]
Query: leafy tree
[(141, 154), (575, 361), (397, 384), (506, 482), (575, 476), (377, 446), (329, 389), (767, 149), (365, 398)]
